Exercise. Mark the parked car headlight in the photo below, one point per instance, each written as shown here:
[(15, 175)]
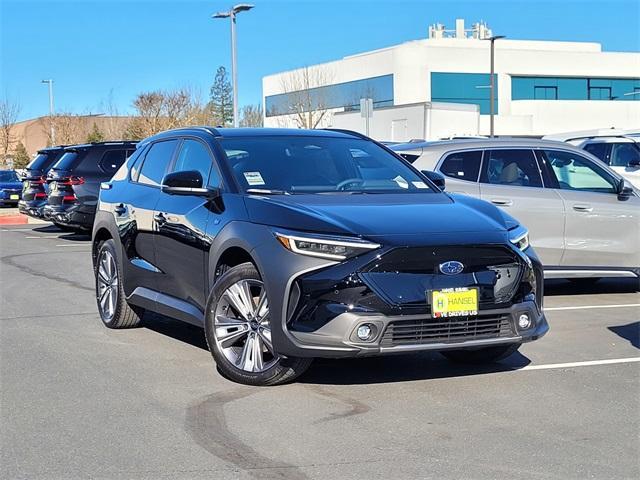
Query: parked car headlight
[(519, 236), (333, 248)]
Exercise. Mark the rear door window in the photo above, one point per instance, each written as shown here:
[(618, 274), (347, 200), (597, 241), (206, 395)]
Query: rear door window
[(600, 150), (156, 162), (462, 165), (624, 154), (514, 167)]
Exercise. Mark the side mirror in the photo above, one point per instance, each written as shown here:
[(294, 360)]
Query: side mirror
[(623, 191), (187, 182), (635, 162), (436, 178)]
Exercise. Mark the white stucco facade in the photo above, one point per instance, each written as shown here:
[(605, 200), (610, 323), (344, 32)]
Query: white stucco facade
[(413, 63)]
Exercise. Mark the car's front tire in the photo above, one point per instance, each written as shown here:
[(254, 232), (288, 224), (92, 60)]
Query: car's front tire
[(238, 331), (113, 308), (481, 355)]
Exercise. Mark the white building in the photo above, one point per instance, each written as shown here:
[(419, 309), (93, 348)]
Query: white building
[(542, 87)]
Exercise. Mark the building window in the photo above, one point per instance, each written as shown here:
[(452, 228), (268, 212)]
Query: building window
[(473, 88), (345, 95), (574, 88), (545, 93)]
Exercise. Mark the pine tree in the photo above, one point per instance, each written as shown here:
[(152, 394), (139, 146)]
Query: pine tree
[(20, 156), (221, 103), (95, 135)]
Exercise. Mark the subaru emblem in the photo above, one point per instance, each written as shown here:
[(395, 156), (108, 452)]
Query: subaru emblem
[(451, 267)]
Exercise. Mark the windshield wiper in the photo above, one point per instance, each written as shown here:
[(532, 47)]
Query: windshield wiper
[(266, 191)]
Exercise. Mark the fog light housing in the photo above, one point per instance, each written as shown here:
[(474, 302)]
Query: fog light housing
[(524, 321), (365, 332)]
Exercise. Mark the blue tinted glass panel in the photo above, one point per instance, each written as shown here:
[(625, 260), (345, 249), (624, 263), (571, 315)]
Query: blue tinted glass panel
[(470, 88), (531, 88), (347, 95)]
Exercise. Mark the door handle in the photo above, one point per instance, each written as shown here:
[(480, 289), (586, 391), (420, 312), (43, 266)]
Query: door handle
[(503, 202), (582, 207), (160, 219), (120, 209)]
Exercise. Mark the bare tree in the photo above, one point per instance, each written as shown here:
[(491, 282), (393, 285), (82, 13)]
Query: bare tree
[(161, 110), (306, 100), (251, 116), (69, 128), (9, 111)]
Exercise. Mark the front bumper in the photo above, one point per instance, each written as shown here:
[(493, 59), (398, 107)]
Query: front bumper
[(410, 333)]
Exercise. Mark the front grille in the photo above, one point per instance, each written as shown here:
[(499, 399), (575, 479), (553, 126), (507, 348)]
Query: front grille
[(453, 330)]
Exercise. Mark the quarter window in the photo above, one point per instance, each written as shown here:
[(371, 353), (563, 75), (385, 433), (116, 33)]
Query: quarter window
[(511, 167), (574, 172), (194, 155), (156, 162), (462, 165), (112, 160)]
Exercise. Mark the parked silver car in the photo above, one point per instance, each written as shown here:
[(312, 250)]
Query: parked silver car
[(583, 219)]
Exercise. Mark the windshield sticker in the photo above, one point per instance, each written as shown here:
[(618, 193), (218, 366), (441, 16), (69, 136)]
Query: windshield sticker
[(253, 178), (419, 184), (402, 183)]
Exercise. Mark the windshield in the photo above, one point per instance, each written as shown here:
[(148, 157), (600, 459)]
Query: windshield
[(318, 165), (8, 176), (66, 161), (42, 162)]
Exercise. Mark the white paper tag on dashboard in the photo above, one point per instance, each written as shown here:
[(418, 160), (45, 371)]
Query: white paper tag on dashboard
[(253, 178)]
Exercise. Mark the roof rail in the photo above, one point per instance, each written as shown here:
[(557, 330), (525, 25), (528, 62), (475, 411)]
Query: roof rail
[(350, 132)]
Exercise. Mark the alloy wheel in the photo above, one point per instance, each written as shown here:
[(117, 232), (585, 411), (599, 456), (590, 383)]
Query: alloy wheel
[(242, 329), (107, 277)]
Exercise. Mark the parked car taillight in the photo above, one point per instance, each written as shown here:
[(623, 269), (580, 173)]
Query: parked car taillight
[(72, 180), (69, 198), (40, 195)]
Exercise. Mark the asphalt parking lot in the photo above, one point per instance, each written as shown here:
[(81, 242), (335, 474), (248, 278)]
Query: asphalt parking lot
[(82, 401)]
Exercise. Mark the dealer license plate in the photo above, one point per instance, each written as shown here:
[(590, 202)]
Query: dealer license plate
[(454, 302), (14, 197)]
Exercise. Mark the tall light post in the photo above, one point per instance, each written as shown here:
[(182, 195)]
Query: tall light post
[(492, 96), (53, 130), (241, 7)]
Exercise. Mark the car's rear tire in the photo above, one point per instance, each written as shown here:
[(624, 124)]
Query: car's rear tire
[(238, 331), (481, 355), (113, 308)]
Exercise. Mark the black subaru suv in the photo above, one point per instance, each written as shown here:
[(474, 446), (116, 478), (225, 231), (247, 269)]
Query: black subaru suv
[(286, 245), (34, 182), (74, 182)]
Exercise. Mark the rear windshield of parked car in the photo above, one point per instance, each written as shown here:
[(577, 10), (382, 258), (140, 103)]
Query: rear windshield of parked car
[(309, 164), (8, 176), (42, 162), (66, 162)]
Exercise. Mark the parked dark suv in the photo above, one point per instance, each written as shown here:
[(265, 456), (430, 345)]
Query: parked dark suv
[(74, 182), (34, 183), (291, 244)]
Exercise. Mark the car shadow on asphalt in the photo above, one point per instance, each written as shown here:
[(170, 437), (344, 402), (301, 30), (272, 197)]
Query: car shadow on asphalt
[(585, 286), (355, 371), (64, 235), (630, 332)]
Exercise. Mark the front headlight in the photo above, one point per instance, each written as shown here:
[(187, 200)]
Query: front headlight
[(519, 236), (333, 248)]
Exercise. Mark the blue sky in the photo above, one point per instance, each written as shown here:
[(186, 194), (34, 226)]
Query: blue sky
[(97, 49)]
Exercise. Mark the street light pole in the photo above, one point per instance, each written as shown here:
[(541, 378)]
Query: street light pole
[(231, 14), (53, 131), (492, 95)]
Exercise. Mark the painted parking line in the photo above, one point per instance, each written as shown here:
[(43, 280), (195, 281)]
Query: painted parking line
[(589, 363), (586, 307)]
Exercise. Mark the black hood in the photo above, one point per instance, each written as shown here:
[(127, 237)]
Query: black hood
[(372, 215)]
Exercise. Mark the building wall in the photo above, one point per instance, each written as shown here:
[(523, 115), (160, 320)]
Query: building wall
[(413, 63)]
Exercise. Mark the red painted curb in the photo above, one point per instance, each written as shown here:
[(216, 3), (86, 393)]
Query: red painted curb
[(13, 219)]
